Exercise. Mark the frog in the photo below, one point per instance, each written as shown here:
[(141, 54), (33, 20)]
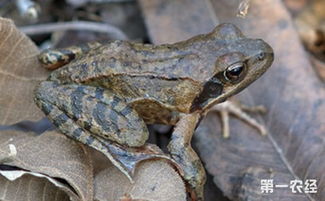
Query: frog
[(110, 92)]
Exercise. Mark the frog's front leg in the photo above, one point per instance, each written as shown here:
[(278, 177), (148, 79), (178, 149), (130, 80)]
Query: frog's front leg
[(94, 109), (181, 151), (230, 107), (55, 58)]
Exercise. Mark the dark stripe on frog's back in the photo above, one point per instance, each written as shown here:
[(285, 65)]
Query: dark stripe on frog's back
[(189, 65), (105, 61), (76, 100)]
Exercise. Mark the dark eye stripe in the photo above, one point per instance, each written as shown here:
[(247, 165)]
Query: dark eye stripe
[(211, 89)]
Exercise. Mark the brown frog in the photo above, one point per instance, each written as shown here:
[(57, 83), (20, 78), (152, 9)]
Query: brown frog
[(110, 92)]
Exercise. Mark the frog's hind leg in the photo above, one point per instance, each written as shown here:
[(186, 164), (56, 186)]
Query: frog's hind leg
[(229, 107), (100, 112), (55, 58), (189, 163), (97, 118), (72, 130)]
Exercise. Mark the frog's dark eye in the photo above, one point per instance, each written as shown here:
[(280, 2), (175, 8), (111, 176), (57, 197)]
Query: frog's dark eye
[(261, 56), (234, 72)]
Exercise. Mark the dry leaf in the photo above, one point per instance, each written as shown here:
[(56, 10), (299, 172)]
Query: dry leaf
[(19, 73), (154, 180), (319, 66), (296, 5), (163, 28), (310, 24), (294, 148), (51, 154), (22, 185), (311, 27)]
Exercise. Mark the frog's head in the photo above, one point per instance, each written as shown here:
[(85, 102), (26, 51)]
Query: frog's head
[(239, 63)]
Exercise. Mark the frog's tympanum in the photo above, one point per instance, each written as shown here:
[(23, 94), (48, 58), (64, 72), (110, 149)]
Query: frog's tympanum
[(110, 92)]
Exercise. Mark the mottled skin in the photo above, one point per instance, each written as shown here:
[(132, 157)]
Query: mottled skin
[(109, 92)]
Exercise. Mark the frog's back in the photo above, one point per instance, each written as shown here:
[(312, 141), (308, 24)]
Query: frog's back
[(167, 77), (120, 57)]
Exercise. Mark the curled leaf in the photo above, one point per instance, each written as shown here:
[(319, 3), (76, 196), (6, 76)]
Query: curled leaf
[(24, 185), (19, 73), (153, 180), (50, 154)]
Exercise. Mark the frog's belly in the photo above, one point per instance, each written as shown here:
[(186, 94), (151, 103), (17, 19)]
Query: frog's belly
[(154, 112)]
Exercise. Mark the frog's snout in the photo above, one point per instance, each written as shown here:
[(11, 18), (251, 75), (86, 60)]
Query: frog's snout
[(264, 54), (265, 47)]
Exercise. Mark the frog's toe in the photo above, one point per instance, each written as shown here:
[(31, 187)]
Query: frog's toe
[(228, 107)]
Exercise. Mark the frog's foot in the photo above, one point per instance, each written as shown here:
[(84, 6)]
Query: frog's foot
[(55, 58), (188, 162), (235, 108)]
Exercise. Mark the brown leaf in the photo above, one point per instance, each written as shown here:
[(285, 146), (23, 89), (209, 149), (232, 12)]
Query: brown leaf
[(311, 28), (294, 147), (163, 28), (22, 185), (51, 154), (296, 5), (154, 180), (19, 73), (319, 66), (128, 158)]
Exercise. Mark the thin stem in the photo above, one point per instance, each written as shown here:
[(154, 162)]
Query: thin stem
[(112, 31)]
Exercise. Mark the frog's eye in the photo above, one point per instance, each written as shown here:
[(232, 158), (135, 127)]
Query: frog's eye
[(234, 72)]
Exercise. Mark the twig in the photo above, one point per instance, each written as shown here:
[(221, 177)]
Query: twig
[(82, 2), (112, 31)]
